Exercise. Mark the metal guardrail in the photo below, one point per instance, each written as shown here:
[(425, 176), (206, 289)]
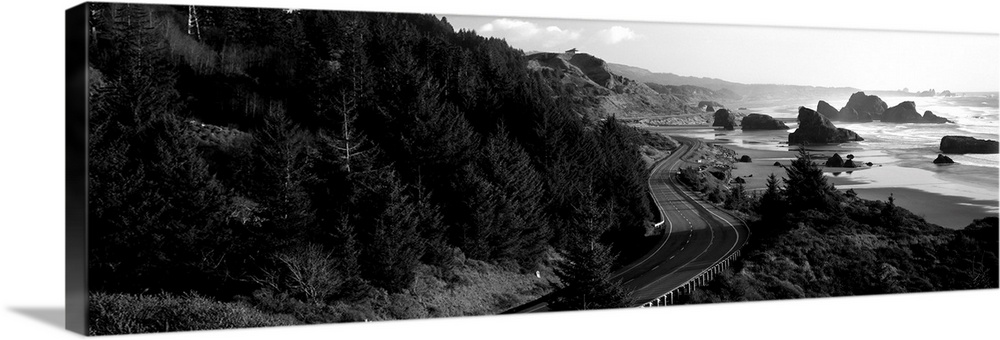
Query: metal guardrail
[(686, 288), (652, 170)]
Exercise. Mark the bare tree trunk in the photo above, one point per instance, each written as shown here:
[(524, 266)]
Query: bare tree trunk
[(193, 27)]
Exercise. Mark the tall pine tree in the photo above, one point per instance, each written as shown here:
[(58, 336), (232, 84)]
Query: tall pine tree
[(387, 226), (622, 183), (518, 200), (274, 173), (806, 186), (586, 277)]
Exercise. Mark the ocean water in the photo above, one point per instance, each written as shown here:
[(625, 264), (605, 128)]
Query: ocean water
[(903, 154), (911, 144)]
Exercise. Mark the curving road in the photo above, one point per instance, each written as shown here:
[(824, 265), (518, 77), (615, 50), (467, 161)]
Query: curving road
[(697, 236)]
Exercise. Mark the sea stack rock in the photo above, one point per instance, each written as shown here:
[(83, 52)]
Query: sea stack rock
[(745, 159), (814, 128), (965, 144), (942, 159), (930, 117), (827, 110), (849, 164), (849, 114), (777, 163), (863, 104), (905, 112), (723, 117), (756, 121), (835, 161)]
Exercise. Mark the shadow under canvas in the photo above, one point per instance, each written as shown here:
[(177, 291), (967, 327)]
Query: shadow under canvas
[(54, 316)]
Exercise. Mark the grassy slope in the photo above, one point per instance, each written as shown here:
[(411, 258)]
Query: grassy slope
[(480, 288), (472, 288)]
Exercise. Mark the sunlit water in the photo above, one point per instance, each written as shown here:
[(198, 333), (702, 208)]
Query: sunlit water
[(903, 153)]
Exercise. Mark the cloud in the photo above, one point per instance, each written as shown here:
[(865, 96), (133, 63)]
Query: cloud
[(515, 30), (617, 34)]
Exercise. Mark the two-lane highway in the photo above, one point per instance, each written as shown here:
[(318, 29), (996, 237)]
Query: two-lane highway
[(696, 236)]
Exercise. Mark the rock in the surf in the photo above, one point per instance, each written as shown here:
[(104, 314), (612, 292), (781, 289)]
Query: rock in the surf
[(814, 128), (965, 144)]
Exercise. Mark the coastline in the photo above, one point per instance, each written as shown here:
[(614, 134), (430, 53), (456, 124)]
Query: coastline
[(920, 191), (952, 212)]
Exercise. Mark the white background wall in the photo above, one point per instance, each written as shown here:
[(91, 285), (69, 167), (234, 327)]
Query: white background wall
[(32, 188)]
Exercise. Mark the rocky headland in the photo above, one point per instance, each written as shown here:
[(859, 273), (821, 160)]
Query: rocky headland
[(587, 78)]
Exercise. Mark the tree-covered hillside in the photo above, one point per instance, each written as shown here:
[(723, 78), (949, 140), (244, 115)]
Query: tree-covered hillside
[(316, 163)]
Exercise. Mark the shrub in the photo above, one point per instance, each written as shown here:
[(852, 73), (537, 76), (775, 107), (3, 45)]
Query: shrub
[(127, 314)]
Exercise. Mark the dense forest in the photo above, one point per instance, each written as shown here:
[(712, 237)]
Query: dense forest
[(811, 240), (280, 167)]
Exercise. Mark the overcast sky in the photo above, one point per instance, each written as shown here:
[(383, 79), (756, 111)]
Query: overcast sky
[(869, 60)]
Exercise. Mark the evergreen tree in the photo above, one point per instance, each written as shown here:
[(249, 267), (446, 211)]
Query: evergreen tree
[(155, 204), (388, 232), (166, 225), (520, 223), (590, 218), (890, 216), (772, 203), (737, 198), (588, 277), (478, 230), (504, 220), (431, 227), (623, 181), (349, 251), (274, 174), (806, 186), (430, 139), (564, 156)]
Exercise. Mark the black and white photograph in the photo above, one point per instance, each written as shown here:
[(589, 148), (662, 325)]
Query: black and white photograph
[(251, 168)]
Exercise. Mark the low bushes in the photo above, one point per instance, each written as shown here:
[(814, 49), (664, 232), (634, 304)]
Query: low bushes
[(126, 314)]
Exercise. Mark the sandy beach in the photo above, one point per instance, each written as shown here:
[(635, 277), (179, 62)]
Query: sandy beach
[(916, 190), (762, 165), (952, 212)]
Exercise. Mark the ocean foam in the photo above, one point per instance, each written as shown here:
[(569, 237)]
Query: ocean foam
[(907, 150)]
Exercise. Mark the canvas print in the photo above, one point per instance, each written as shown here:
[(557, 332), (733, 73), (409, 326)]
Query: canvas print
[(251, 167)]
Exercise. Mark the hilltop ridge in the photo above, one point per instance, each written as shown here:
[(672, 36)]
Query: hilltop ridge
[(742, 92), (606, 92)]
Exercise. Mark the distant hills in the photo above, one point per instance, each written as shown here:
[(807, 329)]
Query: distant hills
[(629, 92), (609, 89), (742, 92)]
